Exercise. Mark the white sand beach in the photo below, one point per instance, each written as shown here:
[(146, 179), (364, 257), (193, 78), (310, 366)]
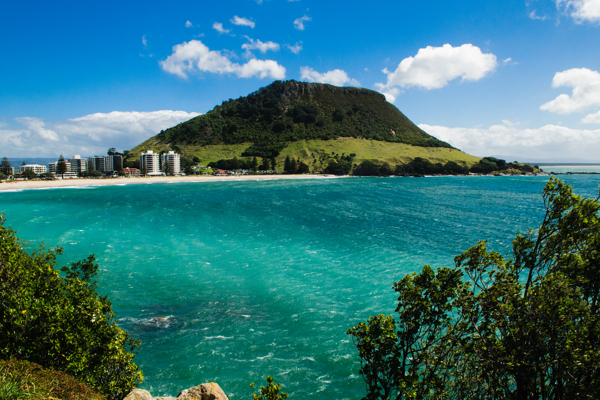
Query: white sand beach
[(66, 183)]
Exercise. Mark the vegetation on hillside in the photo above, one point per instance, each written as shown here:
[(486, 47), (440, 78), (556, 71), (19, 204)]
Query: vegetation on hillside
[(284, 112), (491, 328), (59, 321), (21, 380)]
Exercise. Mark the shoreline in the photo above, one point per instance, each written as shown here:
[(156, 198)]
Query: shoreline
[(82, 182)]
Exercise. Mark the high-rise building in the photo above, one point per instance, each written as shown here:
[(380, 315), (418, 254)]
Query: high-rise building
[(106, 164), (78, 164), (150, 162), (174, 161)]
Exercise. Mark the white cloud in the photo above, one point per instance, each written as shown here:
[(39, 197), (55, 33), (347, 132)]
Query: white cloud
[(144, 41), (87, 135), (581, 10), (534, 16), (188, 24), (194, 55), (242, 22), (263, 47), (586, 92), (299, 22), (296, 49), (550, 141), (390, 93), (434, 67), (335, 77), (217, 26)]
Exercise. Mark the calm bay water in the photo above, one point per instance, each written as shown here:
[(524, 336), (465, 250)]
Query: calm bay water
[(264, 278)]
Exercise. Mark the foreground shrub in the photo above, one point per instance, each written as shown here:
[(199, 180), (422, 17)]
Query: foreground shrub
[(60, 322)]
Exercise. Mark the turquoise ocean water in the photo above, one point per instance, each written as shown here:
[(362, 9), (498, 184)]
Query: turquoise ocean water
[(264, 278)]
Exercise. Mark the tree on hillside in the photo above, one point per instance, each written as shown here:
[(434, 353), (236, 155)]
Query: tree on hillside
[(59, 321), (491, 328), (61, 166), (254, 164), (5, 167), (264, 166), (273, 164)]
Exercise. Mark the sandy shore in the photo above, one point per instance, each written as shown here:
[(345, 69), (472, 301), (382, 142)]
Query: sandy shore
[(21, 185)]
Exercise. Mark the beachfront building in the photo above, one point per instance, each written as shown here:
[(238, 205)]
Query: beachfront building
[(106, 164), (174, 161), (38, 169), (78, 164), (53, 167), (151, 162), (131, 172)]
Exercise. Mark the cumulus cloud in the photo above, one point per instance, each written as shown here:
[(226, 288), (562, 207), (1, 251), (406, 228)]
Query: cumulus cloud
[(217, 26), (586, 93), (195, 55), (434, 67), (263, 47), (581, 10), (296, 49), (299, 22), (242, 22), (550, 141), (390, 93), (188, 24), (335, 77), (87, 135)]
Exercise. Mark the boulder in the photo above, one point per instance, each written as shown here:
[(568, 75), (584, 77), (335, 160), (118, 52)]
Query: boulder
[(139, 394), (206, 391)]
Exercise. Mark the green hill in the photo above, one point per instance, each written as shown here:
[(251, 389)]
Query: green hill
[(267, 122)]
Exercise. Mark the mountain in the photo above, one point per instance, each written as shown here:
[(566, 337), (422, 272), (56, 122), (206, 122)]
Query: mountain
[(301, 116)]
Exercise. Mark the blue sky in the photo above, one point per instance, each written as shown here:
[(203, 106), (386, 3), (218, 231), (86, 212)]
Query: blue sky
[(515, 78)]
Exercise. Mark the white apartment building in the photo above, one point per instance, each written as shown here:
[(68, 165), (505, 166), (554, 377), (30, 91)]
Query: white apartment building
[(174, 161), (38, 169), (150, 161), (78, 164), (52, 167)]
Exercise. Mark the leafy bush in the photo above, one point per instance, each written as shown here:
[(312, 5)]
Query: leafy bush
[(491, 328), (60, 322), (371, 168), (270, 392), (2, 176)]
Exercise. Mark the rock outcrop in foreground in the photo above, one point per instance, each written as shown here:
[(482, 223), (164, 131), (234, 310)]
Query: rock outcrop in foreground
[(206, 391)]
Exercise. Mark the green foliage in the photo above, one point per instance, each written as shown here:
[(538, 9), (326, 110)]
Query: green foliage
[(48, 176), (487, 165), (283, 112), (371, 168), (490, 328), (2, 176), (61, 166), (60, 322), (28, 174), (5, 167), (270, 392), (422, 166), (25, 380)]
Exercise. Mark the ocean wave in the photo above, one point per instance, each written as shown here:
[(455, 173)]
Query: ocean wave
[(218, 337)]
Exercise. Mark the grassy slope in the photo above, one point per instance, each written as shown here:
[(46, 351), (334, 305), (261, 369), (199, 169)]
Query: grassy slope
[(46, 383), (316, 153)]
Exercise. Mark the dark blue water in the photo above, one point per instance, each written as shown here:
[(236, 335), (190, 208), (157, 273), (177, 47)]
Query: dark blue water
[(264, 278)]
